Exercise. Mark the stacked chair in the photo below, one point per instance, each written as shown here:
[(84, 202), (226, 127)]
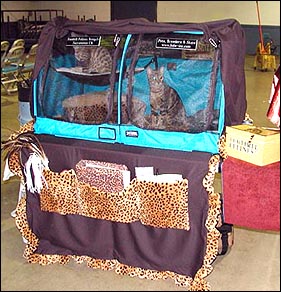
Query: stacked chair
[(10, 66), (4, 50), (25, 71), (18, 43), (26, 66), (16, 66)]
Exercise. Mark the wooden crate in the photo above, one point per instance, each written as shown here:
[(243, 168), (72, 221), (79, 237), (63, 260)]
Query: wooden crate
[(257, 145)]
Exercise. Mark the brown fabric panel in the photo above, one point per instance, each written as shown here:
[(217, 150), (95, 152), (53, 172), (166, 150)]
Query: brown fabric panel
[(129, 249), (133, 244), (198, 283)]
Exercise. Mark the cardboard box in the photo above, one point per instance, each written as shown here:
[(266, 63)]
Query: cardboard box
[(256, 145)]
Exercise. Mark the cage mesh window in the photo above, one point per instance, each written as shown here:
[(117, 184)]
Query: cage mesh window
[(80, 83), (171, 84)]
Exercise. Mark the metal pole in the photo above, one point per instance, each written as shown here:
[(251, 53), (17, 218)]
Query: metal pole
[(260, 29)]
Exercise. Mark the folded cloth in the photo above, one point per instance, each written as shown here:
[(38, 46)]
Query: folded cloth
[(106, 176)]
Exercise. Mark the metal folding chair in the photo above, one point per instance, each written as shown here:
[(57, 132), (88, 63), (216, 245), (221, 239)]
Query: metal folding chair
[(18, 43), (10, 69), (4, 50), (27, 64)]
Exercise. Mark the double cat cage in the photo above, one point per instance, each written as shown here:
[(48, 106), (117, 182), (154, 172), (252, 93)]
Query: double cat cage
[(188, 111)]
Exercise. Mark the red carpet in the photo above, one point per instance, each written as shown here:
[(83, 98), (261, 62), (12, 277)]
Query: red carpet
[(251, 194)]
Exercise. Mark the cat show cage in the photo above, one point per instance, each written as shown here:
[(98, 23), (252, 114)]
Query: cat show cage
[(110, 95)]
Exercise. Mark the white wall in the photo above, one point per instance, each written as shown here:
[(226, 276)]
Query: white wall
[(7, 5), (15, 5), (101, 9), (168, 11), (199, 11), (72, 9)]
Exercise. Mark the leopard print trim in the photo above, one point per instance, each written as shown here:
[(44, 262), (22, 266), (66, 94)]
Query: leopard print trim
[(22, 225), (65, 194), (213, 234), (15, 166), (222, 147), (27, 127)]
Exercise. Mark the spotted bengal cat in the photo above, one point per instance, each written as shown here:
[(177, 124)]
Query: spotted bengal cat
[(167, 109)]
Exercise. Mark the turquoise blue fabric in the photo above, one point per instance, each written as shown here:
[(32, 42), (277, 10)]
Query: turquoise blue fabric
[(58, 87), (187, 79)]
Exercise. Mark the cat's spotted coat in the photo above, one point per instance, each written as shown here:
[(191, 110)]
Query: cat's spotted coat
[(167, 109), (95, 59)]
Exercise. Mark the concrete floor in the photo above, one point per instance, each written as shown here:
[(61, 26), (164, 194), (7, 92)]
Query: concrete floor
[(252, 264)]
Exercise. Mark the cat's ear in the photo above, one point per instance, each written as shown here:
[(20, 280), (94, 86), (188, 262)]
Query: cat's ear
[(161, 70), (149, 71)]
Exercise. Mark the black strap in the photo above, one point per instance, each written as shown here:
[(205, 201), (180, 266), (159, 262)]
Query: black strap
[(224, 240), (224, 230), (110, 97), (131, 73)]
